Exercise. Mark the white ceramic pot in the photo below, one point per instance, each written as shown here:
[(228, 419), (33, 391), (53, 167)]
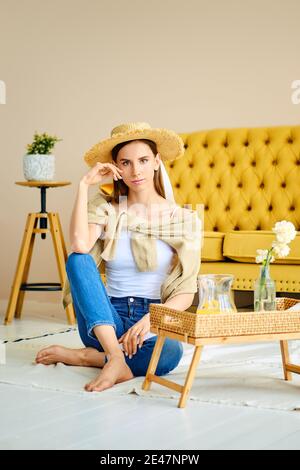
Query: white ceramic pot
[(39, 167)]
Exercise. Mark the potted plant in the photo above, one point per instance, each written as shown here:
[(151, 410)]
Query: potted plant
[(39, 162)]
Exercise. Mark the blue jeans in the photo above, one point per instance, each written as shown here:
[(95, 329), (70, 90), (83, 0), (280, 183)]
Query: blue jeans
[(94, 307)]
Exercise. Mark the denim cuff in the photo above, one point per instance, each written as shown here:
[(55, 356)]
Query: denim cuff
[(92, 326)]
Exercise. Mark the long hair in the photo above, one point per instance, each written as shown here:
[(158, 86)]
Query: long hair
[(120, 188)]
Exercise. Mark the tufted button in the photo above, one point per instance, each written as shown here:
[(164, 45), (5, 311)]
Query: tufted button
[(246, 143), (198, 185), (205, 145), (206, 207), (240, 185), (290, 140), (191, 165), (225, 144), (215, 229), (253, 163), (232, 164), (267, 141), (177, 185), (211, 164), (283, 185), (292, 208), (172, 165), (218, 185), (227, 208), (236, 227), (185, 146), (249, 208), (262, 185), (258, 227), (298, 162), (270, 208), (274, 162)]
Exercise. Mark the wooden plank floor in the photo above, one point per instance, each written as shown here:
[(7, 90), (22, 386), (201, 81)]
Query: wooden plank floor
[(43, 419), (36, 419)]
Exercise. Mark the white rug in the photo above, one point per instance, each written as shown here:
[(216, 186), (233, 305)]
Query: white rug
[(236, 384), (19, 330), (247, 375)]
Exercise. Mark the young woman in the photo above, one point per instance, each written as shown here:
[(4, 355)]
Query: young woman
[(151, 249)]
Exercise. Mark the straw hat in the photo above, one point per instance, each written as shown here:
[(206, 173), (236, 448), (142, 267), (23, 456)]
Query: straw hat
[(169, 144)]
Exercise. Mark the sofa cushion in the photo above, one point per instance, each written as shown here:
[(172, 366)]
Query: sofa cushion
[(242, 245), (212, 248)]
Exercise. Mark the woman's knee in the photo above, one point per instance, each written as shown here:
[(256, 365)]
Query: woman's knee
[(76, 260), (170, 356), (90, 342)]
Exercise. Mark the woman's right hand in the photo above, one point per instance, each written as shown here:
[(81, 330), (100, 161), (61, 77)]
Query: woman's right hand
[(101, 171)]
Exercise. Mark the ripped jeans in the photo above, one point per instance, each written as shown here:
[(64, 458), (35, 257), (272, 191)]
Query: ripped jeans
[(94, 307)]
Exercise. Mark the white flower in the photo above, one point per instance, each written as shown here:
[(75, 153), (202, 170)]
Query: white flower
[(261, 255), (285, 232), (280, 249)]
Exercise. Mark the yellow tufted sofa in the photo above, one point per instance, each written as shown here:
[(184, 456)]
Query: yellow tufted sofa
[(247, 180)]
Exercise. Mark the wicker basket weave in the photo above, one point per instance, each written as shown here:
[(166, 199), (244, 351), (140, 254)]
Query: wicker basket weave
[(227, 324)]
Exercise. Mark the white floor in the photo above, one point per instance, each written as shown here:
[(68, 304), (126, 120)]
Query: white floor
[(33, 418)]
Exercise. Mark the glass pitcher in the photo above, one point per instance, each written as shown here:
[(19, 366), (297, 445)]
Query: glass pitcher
[(215, 294)]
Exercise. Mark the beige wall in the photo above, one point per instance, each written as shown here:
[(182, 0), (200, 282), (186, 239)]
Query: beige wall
[(77, 68)]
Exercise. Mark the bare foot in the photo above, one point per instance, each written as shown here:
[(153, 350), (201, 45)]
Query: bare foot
[(115, 371), (73, 357)]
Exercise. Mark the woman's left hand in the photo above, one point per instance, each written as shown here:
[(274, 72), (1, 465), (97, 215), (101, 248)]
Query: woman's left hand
[(135, 335)]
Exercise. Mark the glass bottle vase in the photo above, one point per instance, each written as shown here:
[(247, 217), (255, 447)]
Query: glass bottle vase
[(264, 291)]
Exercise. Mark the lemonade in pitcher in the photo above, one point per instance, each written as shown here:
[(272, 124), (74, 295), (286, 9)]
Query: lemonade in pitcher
[(215, 294)]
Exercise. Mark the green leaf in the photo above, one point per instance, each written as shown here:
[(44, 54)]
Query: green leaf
[(42, 144)]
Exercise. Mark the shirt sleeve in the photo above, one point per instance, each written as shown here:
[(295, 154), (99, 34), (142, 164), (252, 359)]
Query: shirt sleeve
[(190, 258), (183, 279), (97, 210)]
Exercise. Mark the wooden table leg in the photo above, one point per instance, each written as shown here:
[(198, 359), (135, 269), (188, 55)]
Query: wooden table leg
[(21, 296), (70, 308), (154, 361), (21, 266), (60, 254), (190, 377), (285, 359), (65, 253)]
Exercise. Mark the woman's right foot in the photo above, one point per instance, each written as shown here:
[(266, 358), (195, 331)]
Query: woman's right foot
[(73, 357)]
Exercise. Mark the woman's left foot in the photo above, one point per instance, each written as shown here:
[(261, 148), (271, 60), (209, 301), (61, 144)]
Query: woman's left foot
[(72, 357), (115, 371)]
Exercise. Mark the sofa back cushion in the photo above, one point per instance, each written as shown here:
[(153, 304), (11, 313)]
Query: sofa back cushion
[(246, 179)]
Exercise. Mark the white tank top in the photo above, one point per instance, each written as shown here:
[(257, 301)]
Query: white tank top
[(123, 278)]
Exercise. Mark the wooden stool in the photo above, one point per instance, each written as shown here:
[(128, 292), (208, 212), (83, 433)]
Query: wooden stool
[(41, 218)]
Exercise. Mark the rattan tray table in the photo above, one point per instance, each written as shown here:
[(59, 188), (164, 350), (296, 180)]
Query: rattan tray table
[(204, 329)]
